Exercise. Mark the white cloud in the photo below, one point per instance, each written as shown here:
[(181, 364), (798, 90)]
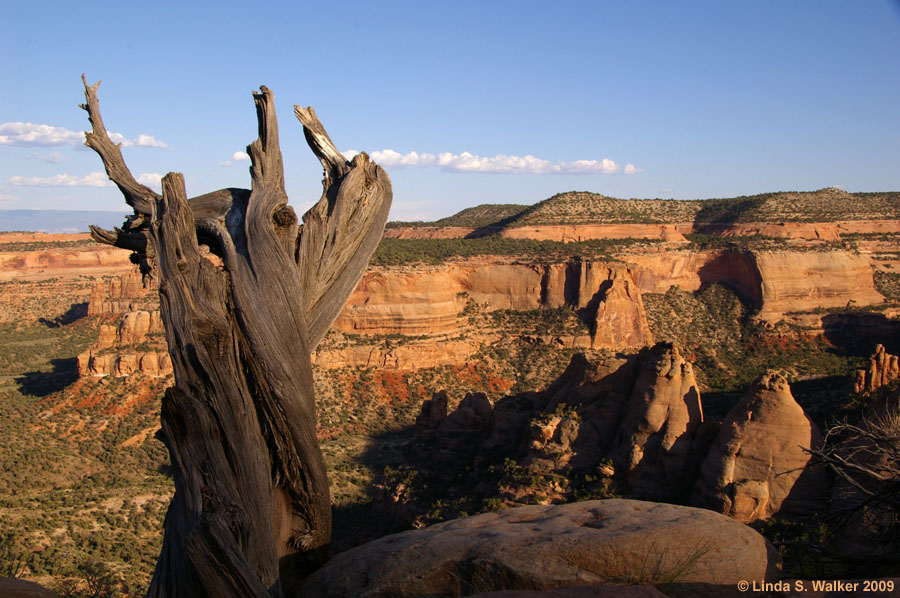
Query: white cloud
[(30, 134), (151, 179), (94, 179), (500, 164), (139, 141), (631, 169), (235, 157)]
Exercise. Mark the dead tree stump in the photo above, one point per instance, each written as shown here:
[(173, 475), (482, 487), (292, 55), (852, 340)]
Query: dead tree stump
[(251, 512)]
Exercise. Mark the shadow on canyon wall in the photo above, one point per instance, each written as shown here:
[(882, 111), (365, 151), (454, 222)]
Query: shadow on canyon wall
[(858, 333)]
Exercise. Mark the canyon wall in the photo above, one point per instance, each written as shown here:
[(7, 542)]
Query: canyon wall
[(428, 306), (672, 232), (773, 282), (28, 255)]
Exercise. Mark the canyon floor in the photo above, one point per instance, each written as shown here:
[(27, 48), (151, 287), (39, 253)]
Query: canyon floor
[(493, 314)]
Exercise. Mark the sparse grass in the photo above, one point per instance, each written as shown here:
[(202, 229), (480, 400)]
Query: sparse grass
[(824, 205), (584, 207), (652, 565), (396, 252), (29, 246), (888, 284)]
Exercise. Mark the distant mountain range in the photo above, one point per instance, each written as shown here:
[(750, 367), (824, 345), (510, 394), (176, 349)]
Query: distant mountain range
[(57, 221)]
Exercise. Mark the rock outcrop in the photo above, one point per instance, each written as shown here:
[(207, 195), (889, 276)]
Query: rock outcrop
[(91, 258), (118, 295), (671, 232), (652, 450), (610, 302), (430, 300), (802, 281), (883, 369), (774, 282), (430, 305), (757, 466), (122, 348), (632, 418), (98, 363), (544, 547)]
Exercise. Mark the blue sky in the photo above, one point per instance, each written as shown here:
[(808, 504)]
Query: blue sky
[(464, 103)]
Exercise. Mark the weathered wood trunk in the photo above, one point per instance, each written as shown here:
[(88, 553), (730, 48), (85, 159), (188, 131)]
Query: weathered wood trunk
[(251, 512)]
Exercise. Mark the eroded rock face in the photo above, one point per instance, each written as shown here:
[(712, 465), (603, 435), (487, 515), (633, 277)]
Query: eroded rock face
[(652, 450), (433, 412), (119, 295), (430, 300), (581, 414), (618, 317), (544, 547), (757, 467), (136, 325), (97, 363), (631, 420), (883, 369), (776, 282), (803, 281)]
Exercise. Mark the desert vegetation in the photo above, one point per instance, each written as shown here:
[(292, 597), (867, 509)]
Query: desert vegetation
[(84, 492), (583, 207), (398, 252)]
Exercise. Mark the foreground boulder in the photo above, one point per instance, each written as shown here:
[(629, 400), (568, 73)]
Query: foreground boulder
[(757, 466), (545, 547), (580, 592)]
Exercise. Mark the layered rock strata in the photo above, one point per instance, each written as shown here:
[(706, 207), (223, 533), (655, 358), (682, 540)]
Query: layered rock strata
[(673, 232), (90, 258), (95, 363), (426, 306), (430, 300), (121, 348), (119, 295)]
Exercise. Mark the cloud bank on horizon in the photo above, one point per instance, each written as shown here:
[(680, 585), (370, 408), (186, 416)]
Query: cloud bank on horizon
[(40, 135), (26, 134), (94, 179), (499, 164)]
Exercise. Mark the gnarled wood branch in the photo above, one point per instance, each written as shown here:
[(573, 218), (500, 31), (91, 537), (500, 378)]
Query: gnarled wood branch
[(251, 512), (139, 197)]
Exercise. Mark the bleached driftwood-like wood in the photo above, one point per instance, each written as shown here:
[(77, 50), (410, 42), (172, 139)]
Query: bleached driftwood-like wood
[(251, 512)]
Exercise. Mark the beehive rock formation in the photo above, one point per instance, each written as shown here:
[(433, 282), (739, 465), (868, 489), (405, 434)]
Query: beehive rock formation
[(757, 466), (652, 450)]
